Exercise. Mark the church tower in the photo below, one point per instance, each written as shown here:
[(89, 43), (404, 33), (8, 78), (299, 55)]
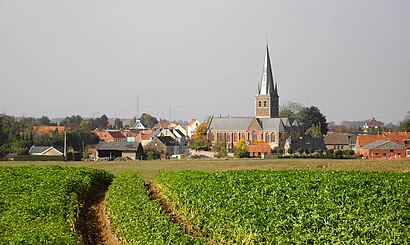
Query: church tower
[(267, 98)]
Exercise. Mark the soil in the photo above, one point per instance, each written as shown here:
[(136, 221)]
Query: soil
[(168, 209), (93, 223)]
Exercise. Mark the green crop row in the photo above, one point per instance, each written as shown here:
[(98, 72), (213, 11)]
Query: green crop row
[(39, 205), (137, 219), (287, 207)]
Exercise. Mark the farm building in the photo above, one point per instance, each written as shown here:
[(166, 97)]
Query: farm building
[(113, 150), (382, 149), (257, 149), (305, 143)]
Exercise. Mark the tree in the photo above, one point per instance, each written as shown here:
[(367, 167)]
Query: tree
[(314, 131), (300, 151), (148, 121), (132, 122), (220, 150), (311, 116), (290, 110), (101, 122), (199, 140), (72, 121), (290, 151), (405, 124), (241, 149)]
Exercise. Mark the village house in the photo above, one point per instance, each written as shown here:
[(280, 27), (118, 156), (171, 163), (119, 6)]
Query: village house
[(45, 151), (382, 149), (402, 138), (305, 143), (339, 141), (265, 126), (110, 136), (259, 149), (191, 127), (372, 126)]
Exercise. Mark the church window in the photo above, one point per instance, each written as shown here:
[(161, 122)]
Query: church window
[(264, 104), (243, 135), (267, 138), (212, 137), (220, 138), (235, 137), (260, 104), (228, 138), (272, 138), (254, 136)]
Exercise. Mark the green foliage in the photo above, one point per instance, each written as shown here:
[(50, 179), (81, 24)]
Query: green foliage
[(293, 207), (241, 149), (199, 139), (290, 151), (220, 150), (39, 205), (405, 124), (137, 219), (300, 151), (148, 121), (311, 116)]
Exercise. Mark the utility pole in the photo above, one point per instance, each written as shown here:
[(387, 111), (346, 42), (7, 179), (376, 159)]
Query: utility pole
[(65, 145)]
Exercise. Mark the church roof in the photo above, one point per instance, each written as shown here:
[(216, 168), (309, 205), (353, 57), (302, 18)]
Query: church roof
[(242, 124), (267, 86), (230, 123)]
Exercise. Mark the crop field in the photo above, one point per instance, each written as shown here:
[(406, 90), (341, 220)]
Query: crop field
[(39, 205), (137, 219), (149, 169), (282, 207)]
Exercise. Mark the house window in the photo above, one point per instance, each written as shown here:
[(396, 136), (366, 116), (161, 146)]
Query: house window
[(267, 137), (260, 104), (264, 104), (254, 136), (272, 137)]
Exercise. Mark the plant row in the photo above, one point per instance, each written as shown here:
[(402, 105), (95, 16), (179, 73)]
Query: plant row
[(137, 219), (282, 207), (39, 205)]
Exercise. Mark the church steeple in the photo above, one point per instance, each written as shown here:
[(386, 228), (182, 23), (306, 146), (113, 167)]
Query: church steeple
[(267, 98), (266, 86)]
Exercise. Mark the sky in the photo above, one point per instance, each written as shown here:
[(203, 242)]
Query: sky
[(189, 59)]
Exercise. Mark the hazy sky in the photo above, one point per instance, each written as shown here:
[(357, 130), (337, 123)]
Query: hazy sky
[(349, 58)]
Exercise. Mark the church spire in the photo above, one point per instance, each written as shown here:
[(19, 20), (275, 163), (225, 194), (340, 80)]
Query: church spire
[(266, 86)]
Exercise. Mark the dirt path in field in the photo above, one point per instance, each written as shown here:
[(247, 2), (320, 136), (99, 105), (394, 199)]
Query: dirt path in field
[(93, 224), (169, 210)]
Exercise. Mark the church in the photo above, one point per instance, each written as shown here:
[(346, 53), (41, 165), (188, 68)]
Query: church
[(265, 126)]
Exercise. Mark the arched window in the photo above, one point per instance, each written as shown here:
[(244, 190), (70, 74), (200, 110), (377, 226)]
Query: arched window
[(220, 137), (235, 137), (267, 138), (272, 137), (228, 137), (243, 135), (254, 136), (260, 104), (212, 137), (264, 104)]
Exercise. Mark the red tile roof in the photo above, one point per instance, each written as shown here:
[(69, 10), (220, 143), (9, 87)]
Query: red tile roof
[(259, 147), (48, 129), (402, 138)]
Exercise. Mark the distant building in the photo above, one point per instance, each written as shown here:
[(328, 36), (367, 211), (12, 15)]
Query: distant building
[(48, 129), (265, 126), (112, 150), (372, 126), (382, 149), (110, 136), (305, 143), (338, 141), (45, 151)]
